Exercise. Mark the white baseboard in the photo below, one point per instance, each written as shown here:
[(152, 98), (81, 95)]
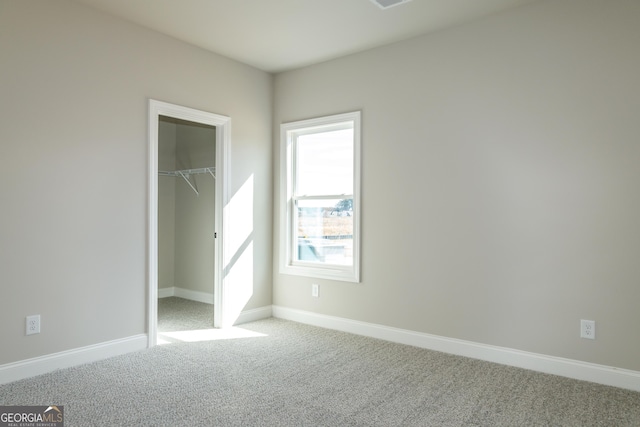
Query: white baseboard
[(254, 314), (175, 291), (40, 365), (166, 292), (575, 369)]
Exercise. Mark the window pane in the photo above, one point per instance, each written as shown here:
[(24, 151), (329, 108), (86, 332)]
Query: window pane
[(325, 231), (325, 163)]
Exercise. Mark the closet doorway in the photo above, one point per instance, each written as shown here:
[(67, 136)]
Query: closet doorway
[(187, 163)]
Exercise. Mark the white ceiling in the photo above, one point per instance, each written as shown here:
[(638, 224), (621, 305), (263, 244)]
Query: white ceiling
[(279, 35)]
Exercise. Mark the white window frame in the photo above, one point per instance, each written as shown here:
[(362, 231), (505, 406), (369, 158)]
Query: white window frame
[(288, 134)]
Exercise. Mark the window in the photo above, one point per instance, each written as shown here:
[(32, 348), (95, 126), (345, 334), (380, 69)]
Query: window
[(320, 198)]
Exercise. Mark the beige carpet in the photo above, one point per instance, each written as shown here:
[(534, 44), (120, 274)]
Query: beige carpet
[(284, 373), (178, 314)]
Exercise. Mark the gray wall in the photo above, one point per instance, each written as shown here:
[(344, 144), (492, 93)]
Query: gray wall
[(75, 85), (499, 176), (500, 180), (166, 205), (194, 228)]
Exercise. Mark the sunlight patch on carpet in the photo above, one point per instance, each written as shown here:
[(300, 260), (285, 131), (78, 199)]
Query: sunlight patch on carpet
[(206, 335)]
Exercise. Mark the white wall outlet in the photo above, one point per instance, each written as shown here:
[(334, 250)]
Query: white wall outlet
[(33, 324), (588, 329), (315, 290)]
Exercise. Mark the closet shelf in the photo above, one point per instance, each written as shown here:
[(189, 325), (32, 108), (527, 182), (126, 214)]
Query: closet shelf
[(186, 173)]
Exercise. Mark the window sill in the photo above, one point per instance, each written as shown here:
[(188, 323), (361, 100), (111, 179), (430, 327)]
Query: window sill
[(340, 274)]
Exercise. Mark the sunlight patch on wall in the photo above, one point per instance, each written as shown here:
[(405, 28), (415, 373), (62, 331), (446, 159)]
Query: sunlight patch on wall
[(240, 216), (238, 262)]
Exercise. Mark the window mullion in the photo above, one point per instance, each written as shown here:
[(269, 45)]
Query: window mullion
[(322, 197)]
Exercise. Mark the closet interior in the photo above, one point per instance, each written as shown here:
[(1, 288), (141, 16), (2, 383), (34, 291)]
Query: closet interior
[(186, 212)]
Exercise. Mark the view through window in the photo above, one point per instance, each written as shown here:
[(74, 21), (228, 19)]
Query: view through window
[(323, 197)]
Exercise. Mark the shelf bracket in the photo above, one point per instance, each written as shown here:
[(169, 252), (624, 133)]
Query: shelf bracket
[(186, 178)]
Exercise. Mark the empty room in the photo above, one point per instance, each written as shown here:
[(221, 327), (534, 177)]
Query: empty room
[(320, 212)]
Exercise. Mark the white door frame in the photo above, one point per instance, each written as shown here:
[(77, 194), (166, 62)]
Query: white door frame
[(223, 141)]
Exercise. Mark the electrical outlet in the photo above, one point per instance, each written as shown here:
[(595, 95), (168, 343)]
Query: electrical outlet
[(588, 329), (33, 324), (315, 290)]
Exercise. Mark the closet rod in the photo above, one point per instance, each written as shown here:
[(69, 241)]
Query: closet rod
[(184, 173), (210, 171)]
